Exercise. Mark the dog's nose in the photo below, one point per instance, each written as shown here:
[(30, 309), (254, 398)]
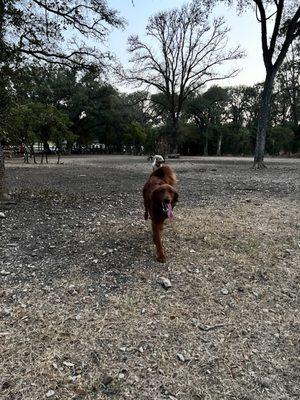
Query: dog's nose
[(166, 200)]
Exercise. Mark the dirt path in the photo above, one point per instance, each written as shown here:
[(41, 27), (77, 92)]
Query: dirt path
[(80, 300)]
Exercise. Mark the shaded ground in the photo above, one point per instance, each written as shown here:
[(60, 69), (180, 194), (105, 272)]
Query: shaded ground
[(83, 315)]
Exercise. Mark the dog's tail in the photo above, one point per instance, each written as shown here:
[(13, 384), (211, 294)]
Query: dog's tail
[(166, 173)]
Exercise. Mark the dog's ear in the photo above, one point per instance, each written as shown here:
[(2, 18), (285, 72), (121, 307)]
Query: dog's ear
[(175, 198)]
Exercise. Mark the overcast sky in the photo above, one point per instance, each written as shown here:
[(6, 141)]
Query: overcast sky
[(245, 30)]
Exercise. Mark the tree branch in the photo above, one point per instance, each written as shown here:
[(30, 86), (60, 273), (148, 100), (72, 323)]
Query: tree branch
[(279, 5), (264, 37)]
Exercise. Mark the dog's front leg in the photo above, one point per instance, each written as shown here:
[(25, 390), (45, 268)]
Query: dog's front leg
[(156, 229), (146, 205), (146, 214)]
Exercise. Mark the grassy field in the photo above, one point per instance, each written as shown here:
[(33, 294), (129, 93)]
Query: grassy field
[(84, 315)]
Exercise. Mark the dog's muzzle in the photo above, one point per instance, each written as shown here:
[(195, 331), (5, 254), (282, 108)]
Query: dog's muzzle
[(167, 208)]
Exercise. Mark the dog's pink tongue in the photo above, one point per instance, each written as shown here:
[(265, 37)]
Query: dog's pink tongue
[(170, 212)]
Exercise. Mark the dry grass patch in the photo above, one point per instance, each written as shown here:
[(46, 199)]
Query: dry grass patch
[(227, 329)]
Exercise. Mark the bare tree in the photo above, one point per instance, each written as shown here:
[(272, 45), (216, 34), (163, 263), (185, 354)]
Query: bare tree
[(43, 29), (181, 55)]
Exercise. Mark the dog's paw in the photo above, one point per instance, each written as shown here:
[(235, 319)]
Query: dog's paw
[(161, 258)]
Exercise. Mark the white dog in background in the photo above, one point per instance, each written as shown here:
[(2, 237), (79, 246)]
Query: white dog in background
[(157, 161)]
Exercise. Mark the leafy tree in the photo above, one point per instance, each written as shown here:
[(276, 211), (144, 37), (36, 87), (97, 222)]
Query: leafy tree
[(286, 98), (40, 30), (53, 85), (109, 115), (137, 107), (280, 140), (33, 122), (207, 110), (237, 140), (242, 113), (103, 112), (20, 124), (160, 109), (1, 171), (135, 136), (191, 144), (242, 107), (97, 110), (152, 136)]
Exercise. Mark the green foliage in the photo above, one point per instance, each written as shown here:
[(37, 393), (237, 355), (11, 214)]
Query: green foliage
[(152, 136), (37, 122), (160, 107), (280, 140), (191, 142), (60, 104), (208, 110), (40, 32), (136, 135)]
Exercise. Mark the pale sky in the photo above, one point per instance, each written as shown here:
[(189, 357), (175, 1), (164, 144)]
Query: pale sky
[(245, 31)]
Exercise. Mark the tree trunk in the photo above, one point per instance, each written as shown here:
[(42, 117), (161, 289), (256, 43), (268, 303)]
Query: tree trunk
[(175, 135), (2, 94), (219, 149), (205, 152), (32, 153), (1, 172), (263, 120), (46, 149)]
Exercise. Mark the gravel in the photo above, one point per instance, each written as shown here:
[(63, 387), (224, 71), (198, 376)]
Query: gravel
[(82, 314)]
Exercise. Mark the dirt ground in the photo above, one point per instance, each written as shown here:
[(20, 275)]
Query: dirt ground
[(83, 314)]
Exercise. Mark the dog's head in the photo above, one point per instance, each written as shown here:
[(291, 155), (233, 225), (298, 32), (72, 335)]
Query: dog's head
[(163, 200), (157, 161)]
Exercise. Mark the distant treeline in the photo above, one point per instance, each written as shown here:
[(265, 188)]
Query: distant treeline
[(65, 107)]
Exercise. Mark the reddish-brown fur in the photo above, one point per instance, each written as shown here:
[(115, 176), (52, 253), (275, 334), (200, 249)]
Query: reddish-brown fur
[(159, 191)]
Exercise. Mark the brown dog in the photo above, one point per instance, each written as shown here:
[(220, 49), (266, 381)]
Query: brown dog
[(160, 197)]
